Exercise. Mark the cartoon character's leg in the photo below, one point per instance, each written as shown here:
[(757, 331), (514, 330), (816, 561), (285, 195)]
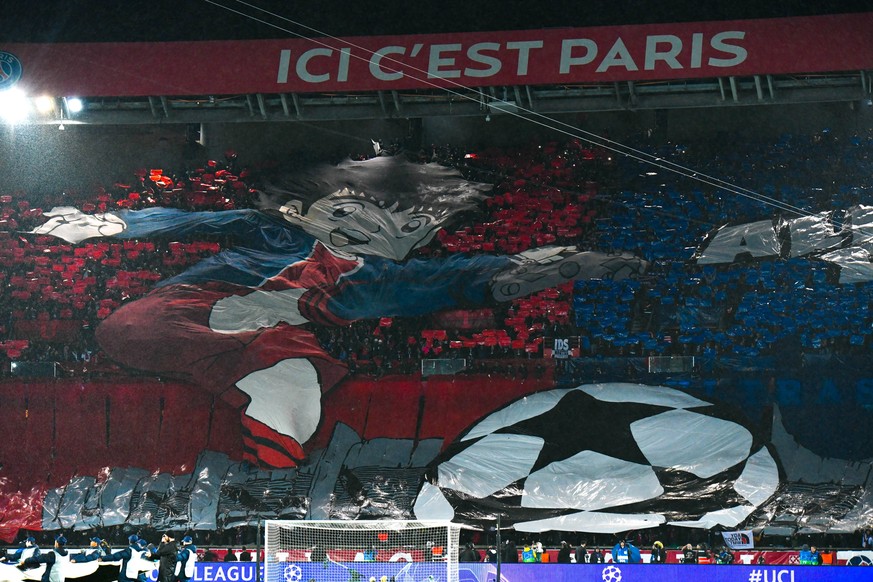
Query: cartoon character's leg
[(381, 288), (275, 376)]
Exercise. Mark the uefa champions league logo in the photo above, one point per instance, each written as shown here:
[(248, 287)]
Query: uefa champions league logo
[(10, 70), (611, 574), (292, 573)]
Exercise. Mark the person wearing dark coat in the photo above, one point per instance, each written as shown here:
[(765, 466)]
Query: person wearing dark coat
[(564, 553), (168, 549), (469, 554), (582, 552), (510, 552), (596, 556), (659, 554)]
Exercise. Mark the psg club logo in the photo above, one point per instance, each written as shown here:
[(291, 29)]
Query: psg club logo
[(10, 70)]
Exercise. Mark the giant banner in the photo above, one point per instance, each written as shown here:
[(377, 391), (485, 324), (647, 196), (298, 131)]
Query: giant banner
[(408, 572), (534, 57)]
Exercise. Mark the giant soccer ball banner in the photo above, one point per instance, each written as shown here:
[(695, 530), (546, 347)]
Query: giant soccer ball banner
[(603, 458)]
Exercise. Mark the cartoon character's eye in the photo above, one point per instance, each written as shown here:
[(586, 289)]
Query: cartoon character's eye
[(415, 224), (345, 210)]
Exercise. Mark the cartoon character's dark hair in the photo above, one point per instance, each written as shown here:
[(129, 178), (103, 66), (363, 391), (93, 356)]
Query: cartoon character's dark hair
[(434, 189)]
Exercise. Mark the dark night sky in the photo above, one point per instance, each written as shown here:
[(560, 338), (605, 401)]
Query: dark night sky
[(170, 20)]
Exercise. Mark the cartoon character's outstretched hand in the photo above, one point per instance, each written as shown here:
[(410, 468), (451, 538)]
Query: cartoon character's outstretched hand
[(74, 226)]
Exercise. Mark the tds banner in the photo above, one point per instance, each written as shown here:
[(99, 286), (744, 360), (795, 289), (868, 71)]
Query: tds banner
[(561, 347)]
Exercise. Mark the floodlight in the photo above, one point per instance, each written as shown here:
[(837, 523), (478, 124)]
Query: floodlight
[(44, 104), (74, 104), (14, 105)]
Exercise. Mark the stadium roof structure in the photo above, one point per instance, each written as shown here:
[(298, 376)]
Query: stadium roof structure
[(678, 65)]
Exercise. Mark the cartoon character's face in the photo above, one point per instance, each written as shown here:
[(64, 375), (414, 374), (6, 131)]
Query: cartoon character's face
[(361, 226)]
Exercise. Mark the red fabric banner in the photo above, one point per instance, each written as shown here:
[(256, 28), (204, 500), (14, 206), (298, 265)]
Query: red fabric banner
[(533, 57)]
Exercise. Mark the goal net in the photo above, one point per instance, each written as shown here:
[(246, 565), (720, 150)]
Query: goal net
[(360, 551)]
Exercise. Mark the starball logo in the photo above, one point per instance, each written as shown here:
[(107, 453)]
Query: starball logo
[(10, 70)]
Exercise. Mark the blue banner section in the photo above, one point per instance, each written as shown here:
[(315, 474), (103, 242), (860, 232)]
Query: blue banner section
[(434, 572), (226, 572)]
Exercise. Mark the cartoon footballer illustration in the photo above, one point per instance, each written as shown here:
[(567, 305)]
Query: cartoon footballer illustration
[(331, 245)]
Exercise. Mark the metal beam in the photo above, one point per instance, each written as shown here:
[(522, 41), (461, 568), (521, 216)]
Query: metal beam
[(713, 92)]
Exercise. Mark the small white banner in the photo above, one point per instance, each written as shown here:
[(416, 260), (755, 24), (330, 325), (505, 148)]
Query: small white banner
[(739, 540)]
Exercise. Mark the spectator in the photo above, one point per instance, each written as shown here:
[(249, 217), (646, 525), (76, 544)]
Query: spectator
[(564, 553), (510, 552), (689, 554), (528, 554), (659, 554), (230, 556), (725, 556), (809, 556), (245, 555), (596, 556), (582, 552), (318, 554), (469, 554)]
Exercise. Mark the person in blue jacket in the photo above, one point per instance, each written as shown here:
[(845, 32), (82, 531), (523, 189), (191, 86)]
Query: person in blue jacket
[(148, 560), (625, 552), (95, 552), (26, 549), (130, 560), (53, 559), (185, 560)]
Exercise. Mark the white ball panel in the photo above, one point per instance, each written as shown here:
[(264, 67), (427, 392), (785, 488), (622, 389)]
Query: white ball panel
[(642, 394), (590, 481), (759, 479), (432, 504), (701, 445), (518, 411), (490, 464)]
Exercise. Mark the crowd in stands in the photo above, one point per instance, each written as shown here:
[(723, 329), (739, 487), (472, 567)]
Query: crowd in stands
[(54, 294)]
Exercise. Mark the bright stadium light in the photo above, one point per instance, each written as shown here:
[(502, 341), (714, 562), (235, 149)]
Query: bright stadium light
[(74, 105), (44, 104), (14, 105)]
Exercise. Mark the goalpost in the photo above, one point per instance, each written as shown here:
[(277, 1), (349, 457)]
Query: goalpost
[(360, 551)]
